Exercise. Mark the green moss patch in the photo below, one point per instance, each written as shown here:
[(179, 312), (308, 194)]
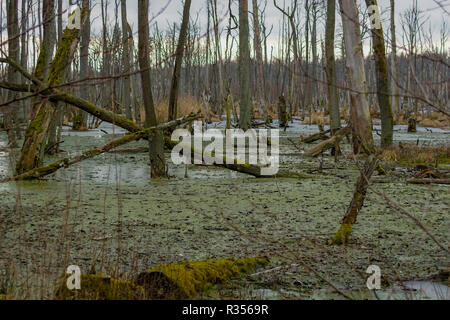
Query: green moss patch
[(184, 280), (98, 287)]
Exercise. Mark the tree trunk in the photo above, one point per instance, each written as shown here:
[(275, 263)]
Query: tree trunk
[(345, 231), (394, 85), (12, 20), (333, 99), (80, 120), (383, 90), (360, 113), (32, 150), (126, 94), (173, 100), (156, 145), (49, 46), (259, 59), (244, 67)]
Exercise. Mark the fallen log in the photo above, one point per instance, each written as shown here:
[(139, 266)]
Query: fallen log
[(247, 168), (132, 150), (66, 162), (185, 280), (330, 143), (429, 181), (315, 136)]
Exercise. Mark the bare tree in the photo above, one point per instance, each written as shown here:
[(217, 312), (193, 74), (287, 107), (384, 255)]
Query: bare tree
[(333, 99), (383, 90), (173, 100), (259, 59), (80, 119), (394, 63), (244, 67), (34, 145), (12, 20), (156, 146), (126, 38), (360, 114)]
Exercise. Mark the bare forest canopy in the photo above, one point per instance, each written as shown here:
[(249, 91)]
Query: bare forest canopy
[(211, 49)]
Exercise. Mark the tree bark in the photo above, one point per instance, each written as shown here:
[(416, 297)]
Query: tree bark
[(12, 20), (345, 231), (173, 100), (32, 149), (244, 67), (333, 99), (394, 85), (156, 145), (383, 90), (80, 120), (259, 59), (126, 94), (360, 113)]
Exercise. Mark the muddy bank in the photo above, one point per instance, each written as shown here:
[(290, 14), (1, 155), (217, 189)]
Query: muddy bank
[(105, 213)]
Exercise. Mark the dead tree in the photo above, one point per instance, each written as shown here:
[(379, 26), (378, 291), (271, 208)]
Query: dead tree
[(126, 38), (156, 144), (333, 99), (12, 20), (259, 59), (394, 64), (383, 90), (36, 134), (244, 67), (345, 231), (80, 120), (173, 100), (360, 113), (360, 116)]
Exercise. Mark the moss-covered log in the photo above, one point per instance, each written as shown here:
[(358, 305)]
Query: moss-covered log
[(98, 287), (92, 109), (345, 231), (330, 143), (247, 168), (16, 87), (184, 280), (66, 162)]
